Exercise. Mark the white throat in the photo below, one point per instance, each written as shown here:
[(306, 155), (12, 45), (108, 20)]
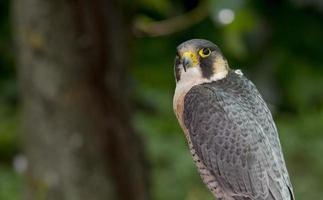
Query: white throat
[(192, 76)]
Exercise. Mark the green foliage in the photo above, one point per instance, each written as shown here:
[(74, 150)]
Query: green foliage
[(10, 184), (8, 134), (302, 143)]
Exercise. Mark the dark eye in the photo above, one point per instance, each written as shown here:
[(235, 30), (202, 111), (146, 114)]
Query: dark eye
[(205, 52)]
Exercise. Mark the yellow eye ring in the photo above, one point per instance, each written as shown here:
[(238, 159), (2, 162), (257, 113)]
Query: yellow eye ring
[(205, 52)]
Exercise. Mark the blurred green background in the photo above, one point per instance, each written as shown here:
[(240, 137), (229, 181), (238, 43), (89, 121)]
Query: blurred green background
[(277, 44)]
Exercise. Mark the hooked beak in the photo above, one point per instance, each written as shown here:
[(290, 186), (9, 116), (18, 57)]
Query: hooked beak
[(189, 59), (186, 62)]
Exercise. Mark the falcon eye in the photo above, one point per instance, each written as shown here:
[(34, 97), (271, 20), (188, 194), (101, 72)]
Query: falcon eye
[(205, 52)]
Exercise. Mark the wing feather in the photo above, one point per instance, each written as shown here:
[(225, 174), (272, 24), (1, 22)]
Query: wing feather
[(235, 137)]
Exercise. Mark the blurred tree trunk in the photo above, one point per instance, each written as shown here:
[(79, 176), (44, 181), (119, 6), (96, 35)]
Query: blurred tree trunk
[(77, 131)]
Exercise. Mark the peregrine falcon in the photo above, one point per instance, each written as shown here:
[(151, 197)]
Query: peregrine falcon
[(229, 128)]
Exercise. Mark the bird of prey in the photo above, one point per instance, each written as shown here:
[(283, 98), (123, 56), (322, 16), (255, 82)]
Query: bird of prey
[(229, 128)]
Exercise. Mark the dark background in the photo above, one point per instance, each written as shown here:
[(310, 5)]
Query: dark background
[(277, 44)]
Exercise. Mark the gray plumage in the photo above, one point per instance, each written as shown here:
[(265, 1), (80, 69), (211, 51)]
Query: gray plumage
[(233, 134)]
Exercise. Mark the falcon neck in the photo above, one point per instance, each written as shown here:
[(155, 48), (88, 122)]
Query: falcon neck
[(189, 79)]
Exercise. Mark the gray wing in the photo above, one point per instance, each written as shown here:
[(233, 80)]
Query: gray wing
[(226, 133), (254, 102)]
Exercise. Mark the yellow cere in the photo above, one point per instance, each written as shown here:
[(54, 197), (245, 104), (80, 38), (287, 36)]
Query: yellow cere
[(204, 52), (192, 56)]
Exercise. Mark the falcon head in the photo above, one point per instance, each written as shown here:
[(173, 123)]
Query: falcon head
[(199, 60)]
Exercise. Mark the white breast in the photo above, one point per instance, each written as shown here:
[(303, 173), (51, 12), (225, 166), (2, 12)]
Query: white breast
[(188, 79)]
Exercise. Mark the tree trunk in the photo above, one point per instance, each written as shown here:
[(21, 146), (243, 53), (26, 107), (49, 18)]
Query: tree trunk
[(77, 131)]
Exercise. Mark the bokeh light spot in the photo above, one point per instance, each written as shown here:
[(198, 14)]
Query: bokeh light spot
[(226, 16)]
